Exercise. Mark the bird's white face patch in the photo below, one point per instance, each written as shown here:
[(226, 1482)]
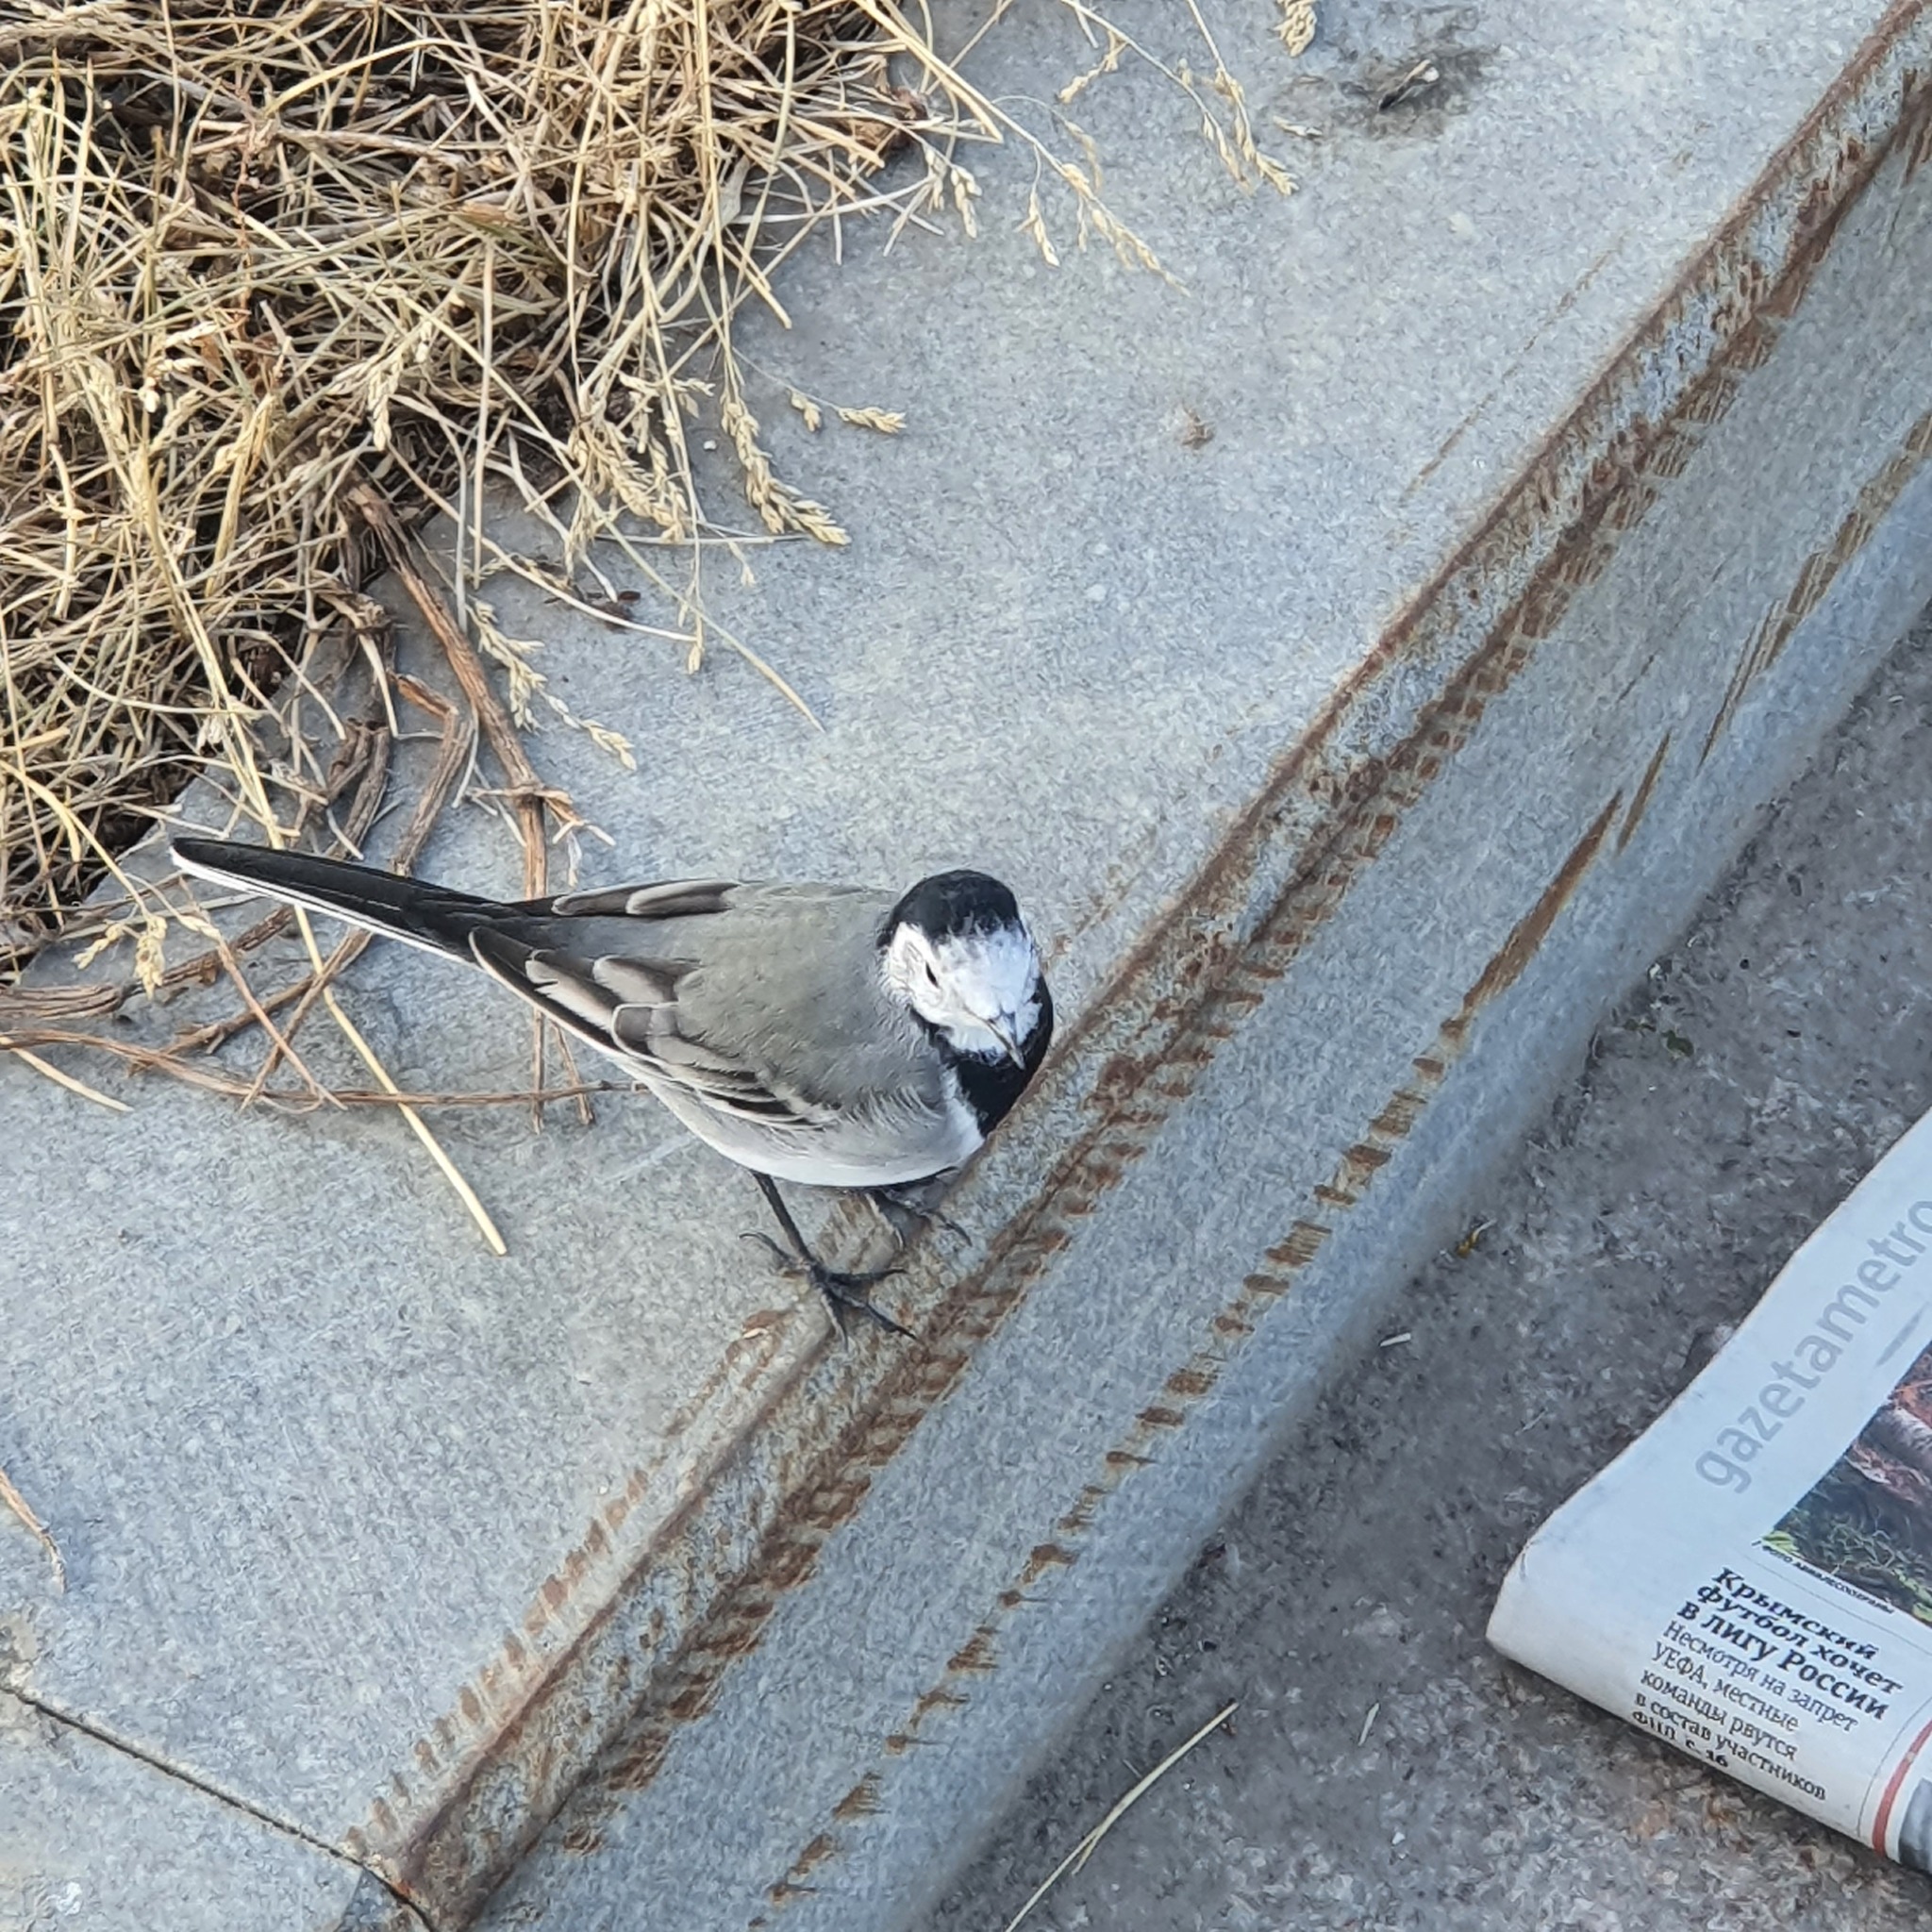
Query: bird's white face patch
[(981, 990)]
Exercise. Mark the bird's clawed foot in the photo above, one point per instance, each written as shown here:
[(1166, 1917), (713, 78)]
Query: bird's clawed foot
[(845, 1293)]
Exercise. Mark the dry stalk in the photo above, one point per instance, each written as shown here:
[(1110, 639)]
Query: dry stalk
[(1076, 1859), (39, 1530)]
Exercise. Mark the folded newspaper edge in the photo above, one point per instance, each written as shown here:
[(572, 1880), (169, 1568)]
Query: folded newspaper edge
[(1751, 1580)]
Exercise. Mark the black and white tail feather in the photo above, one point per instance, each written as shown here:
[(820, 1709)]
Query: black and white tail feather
[(830, 1035)]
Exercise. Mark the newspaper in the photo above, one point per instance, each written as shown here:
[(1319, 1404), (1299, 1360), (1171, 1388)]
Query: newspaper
[(1751, 1581)]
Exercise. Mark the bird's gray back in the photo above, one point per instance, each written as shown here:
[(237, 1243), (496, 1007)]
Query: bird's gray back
[(783, 979)]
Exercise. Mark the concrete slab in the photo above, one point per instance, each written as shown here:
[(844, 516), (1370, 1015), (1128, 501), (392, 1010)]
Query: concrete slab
[(1387, 1768), (1384, 736), (93, 1839)]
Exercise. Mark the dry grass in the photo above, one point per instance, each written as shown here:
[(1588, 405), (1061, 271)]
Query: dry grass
[(250, 257), (277, 281)]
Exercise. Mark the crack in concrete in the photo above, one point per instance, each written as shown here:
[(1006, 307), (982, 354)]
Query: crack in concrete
[(26, 1701)]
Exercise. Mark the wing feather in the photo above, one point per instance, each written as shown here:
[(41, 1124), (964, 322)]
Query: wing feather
[(637, 982), (588, 998), (555, 978), (667, 899)]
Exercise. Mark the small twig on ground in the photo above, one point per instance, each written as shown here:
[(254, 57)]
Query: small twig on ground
[(66, 1080), (20, 1506), (1088, 1845), (527, 792), (465, 1192)]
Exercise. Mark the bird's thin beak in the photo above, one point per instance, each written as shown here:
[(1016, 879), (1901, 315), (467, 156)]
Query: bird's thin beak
[(1001, 1030)]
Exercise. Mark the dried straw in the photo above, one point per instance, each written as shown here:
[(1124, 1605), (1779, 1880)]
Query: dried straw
[(277, 281), (35, 1527), (252, 256), (1075, 1861)]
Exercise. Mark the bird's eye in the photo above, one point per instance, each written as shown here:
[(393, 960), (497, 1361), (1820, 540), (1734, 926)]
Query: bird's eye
[(932, 978)]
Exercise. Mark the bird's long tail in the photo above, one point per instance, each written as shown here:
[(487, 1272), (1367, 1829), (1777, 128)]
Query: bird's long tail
[(432, 917)]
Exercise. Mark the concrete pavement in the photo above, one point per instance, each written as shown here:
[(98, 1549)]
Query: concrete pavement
[(1568, 476)]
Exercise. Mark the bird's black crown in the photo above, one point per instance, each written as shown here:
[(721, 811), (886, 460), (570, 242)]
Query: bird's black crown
[(951, 904)]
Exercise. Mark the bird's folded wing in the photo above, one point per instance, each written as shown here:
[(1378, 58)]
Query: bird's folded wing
[(628, 1007)]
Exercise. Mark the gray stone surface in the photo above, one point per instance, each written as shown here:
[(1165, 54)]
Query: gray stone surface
[(92, 1839), (387, 1536), (1757, 1070)]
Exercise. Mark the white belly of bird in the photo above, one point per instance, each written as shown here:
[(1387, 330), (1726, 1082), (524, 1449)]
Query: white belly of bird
[(838, 1154)]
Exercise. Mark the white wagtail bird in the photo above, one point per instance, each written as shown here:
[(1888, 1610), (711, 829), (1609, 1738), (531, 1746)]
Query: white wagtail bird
[(831, 1035)]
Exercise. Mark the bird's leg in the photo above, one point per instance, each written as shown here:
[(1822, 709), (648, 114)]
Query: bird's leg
[(892, 1202), (846, 1295)]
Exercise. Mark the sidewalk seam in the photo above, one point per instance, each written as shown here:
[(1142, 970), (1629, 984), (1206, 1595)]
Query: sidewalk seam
[(68, 1722)]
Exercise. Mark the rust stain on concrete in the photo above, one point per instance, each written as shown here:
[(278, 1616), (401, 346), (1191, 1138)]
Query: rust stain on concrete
[(861, 1801), (1646, 785), (1818, 572)]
